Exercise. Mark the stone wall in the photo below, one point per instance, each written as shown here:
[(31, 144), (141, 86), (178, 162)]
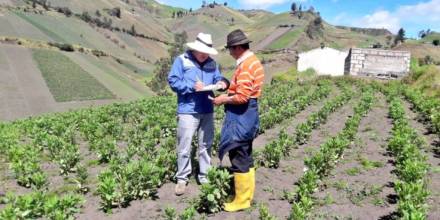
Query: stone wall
[(378, 63)]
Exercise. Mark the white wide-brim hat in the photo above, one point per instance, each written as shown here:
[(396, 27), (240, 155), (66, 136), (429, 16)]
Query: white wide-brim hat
[(203, 44)]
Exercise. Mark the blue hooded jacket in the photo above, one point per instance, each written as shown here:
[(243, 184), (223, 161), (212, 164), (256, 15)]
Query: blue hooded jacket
[(184, 73)]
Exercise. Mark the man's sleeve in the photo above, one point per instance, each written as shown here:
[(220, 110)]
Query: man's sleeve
[(177, 81), (244, 87)]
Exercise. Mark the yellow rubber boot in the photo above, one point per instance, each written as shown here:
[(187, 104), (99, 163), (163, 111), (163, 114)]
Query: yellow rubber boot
[(252, 180), (243, 192)]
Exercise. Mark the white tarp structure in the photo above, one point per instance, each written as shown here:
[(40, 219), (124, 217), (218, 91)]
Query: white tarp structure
[(325, 61)]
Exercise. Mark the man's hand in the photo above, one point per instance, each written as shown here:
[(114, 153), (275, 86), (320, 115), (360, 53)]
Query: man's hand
[(222, 85), (198, 86), (221, 99)]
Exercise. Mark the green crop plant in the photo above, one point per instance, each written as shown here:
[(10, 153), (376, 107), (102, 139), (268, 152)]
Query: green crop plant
[(215, 193), (41, 205), (319, 165), (264, 213)]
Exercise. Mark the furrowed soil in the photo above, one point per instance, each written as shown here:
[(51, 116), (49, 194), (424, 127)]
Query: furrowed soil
[(149, 209), (361, 185), (432, 151)]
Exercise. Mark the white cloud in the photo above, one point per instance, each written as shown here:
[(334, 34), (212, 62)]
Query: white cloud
[(263, 4), (380, 19), (425, 11), (413, 17)]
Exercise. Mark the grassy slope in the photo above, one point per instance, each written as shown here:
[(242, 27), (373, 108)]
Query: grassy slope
[(430, 38), (420, 50), (111, 78), (13, 26), (144, 16), (287, 39), (66, 80), (429, 82), (73, 31)]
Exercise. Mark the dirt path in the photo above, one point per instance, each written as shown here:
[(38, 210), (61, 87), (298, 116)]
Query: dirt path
[(433, 153), (272, 37), (23, 91), (361, 185)]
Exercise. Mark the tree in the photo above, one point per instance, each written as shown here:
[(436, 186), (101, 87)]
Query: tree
[(293, 7), (225, 4), (315, 28), (133, 30), (86, 17), (118, 12), (422, 34), (179, 45), (400, 38), (159, 83), (300, 8), (377, 45), (436, 42)]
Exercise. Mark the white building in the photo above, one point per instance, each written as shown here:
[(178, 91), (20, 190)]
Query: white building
[(325, 61)]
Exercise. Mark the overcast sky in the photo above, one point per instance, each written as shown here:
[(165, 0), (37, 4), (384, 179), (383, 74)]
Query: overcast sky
[(412, 15)]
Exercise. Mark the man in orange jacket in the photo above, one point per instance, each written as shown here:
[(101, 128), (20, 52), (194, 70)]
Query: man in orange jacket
[(241, 122)]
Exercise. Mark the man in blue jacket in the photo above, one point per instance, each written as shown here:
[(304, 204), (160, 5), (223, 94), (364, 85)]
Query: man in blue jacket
[(193, 76)]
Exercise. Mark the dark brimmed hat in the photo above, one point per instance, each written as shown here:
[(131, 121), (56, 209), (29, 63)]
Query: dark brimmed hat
[(236, 38)]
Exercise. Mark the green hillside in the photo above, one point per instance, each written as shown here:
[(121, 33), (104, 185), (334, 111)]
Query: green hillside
[(118, 42), (66, 80)]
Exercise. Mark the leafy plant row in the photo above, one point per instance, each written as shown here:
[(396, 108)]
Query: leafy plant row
[(321, 163), (272, 153), (411, 163), (40, 205), (281, 105), (429, 107), (130, 134), (24, 159), (127, 180)]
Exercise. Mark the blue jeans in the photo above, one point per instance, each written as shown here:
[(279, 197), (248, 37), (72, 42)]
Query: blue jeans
[(188, 125)]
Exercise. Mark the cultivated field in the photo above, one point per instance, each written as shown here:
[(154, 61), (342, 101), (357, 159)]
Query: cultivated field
[(328, 148), (66, 80)]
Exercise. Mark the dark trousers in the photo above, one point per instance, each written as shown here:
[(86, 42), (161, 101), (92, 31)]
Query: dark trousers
[(241, 157)]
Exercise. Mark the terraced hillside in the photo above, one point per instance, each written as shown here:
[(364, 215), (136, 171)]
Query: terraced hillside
[(118, 42)]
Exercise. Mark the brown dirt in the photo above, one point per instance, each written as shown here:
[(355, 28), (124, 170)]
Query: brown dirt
[(277, 178), (23, 91), (349, 196), (271, 38), (290, 124), (272, 182), (432, 151)]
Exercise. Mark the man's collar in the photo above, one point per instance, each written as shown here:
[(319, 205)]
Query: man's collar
[(244, 56)]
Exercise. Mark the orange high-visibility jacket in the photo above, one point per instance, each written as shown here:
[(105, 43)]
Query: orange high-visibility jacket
[(247, 81)]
